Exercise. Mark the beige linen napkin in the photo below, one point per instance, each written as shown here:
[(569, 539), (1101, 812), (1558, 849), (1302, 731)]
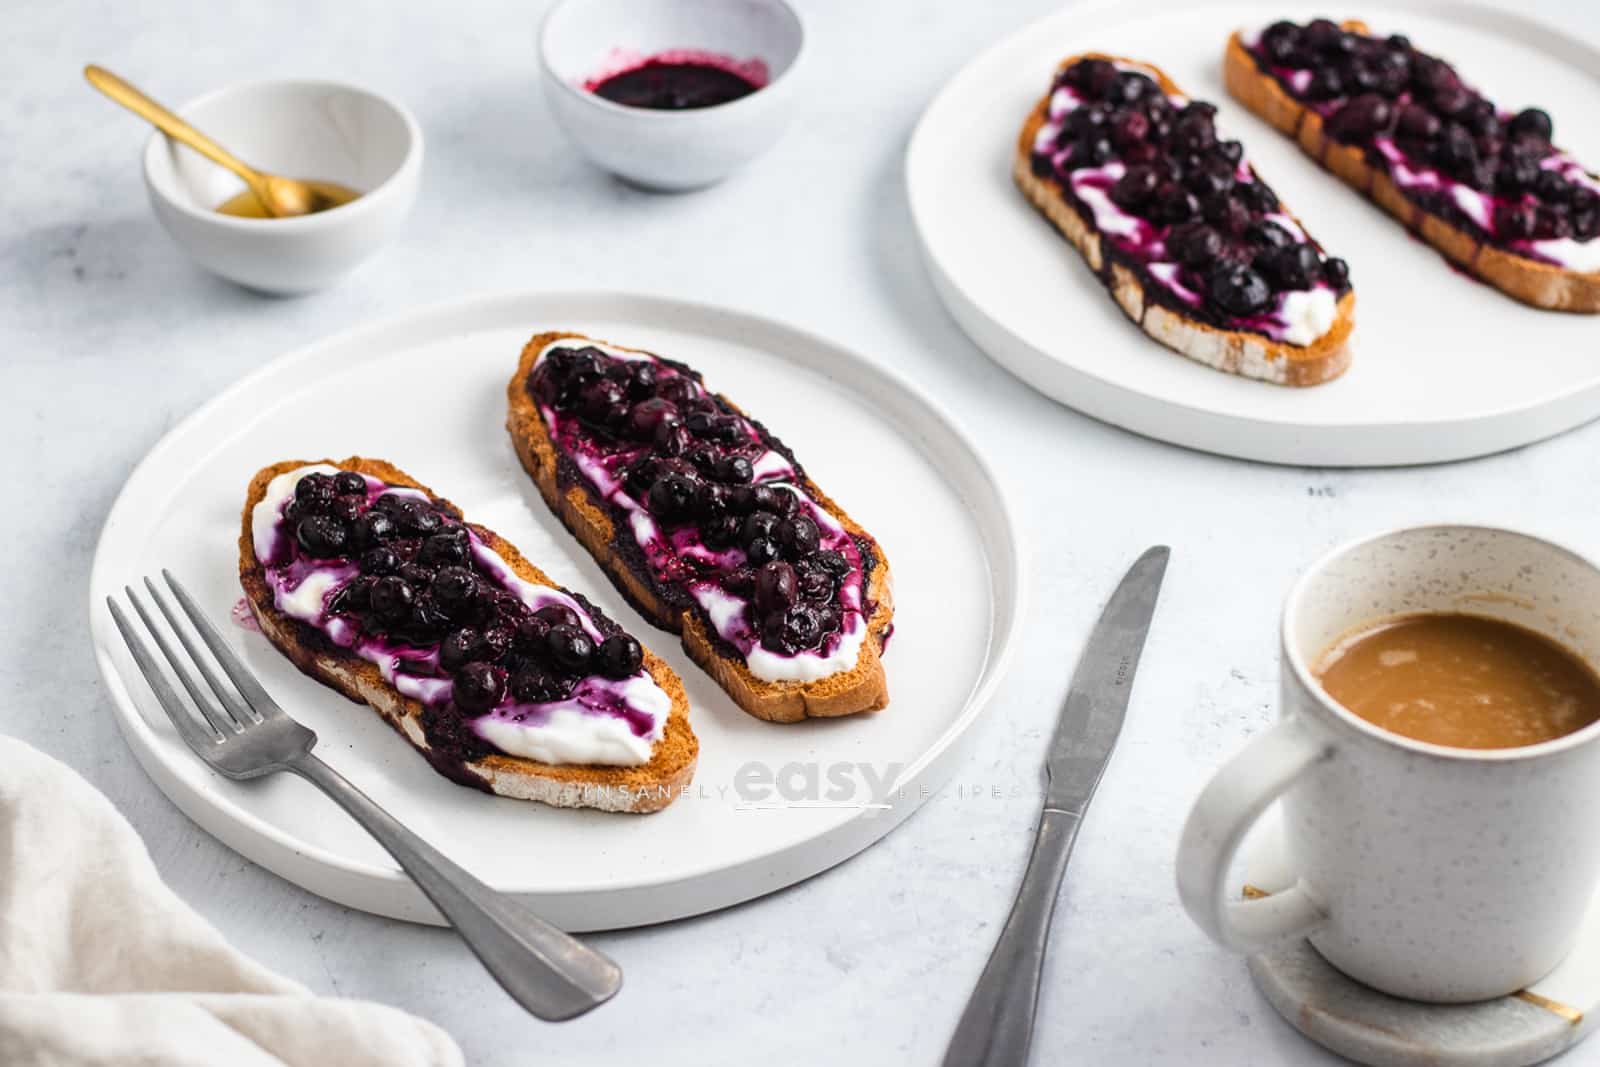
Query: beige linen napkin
[(101, 964)]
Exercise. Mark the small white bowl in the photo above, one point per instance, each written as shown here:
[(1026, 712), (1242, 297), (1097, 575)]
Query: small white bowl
[(669, 150), (302, 129)]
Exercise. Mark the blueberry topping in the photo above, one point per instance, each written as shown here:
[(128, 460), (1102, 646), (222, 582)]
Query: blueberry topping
[(620, 656), (417, 519), (455, 589), (570, 648), (1289, 267), (478, 688), (446, 548), (391, 598), (349, 483), (734, 470), (1336, 272), (374, 527), (1364, 116), (459, 648), (379, 561), (321, 536), (1531, 122), (314, 491), (1135, 188), (535, 685), (776, 587), (558, 615), (761, 550), (1238, 290), (672, 496), (1194, 244), (530, 634), (798, 536)]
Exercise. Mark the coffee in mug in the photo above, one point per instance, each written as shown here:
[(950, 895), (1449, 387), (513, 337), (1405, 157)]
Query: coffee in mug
[(1467, 681)]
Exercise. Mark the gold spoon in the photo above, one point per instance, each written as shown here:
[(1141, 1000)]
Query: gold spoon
[(274, 196)]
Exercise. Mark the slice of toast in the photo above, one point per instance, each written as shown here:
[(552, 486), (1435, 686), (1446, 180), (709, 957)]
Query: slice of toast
[(1245, 352), (1535, 282), (644, 788), (603, 532)]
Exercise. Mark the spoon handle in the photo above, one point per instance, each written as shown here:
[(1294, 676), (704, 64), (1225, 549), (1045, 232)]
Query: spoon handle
[(164, 120)]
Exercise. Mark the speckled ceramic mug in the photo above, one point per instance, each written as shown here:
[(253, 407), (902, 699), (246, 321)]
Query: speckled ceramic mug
[(1433, 873)]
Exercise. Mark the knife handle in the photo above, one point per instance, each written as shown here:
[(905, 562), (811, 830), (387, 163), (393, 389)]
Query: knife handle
[(997, 1026)]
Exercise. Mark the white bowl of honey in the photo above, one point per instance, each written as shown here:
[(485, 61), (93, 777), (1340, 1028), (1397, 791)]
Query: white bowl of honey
[(322, 130)]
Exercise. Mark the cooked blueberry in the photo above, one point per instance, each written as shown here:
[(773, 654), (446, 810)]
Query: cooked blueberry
[(1212, 178), (1174, 203), (1430, 74), (1280, 42), (1552, 221), (1093, 151), (764, 498), (1192, 133), (827, 618), (1129, 128), (459, 648), (798, 536), (349, 483), (456, 590), (671, 440), (355, 596), (391, 597), (1290, 267), (345, 508), (1417, 123), (1398, 42), (427, 622), (1394, 72), (620, 656), (801, 627), (1531, 122), (1265, 233), (642, 379), (1336, 272), (1364, 116), (815, 582), (1099, 76), (417, 518), (531, 633), (758, 524), (1135, 188), (1257, 196), (1238, 290), (832, 562), (740, 499), (721, 532), (478, 688), (729, 430), (534, 685), (1360, 77), (761, 550), (1456, 153), (373, 528), (1323, 35), (497, 639), (416, 575), (1326, 83), (1453, 101), (558, 615), (676, 388), (673, 495), (1552, 188), (446, 548), (322, 536), (314, 491), (647, 416), (741, 581), (1193, 244), (733, 470), (776, 587), (1230, 152), (569, 648), (379, 561)]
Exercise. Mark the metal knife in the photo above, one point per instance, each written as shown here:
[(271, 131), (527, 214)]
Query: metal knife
[(997, 1026)]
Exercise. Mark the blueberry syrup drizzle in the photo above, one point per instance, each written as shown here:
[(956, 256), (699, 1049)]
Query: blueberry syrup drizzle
[(400, 580), (1180, 207), (709, 509), (1448, 149), (678, 79)]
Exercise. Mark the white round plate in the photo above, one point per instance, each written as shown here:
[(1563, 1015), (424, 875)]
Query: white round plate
[(1367, 1026), (427, 391), (1445, 367)]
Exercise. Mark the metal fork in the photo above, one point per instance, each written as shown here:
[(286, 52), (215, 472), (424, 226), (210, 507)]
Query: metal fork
[(243, 733)]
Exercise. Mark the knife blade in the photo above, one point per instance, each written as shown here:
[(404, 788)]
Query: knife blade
[(997, 1026), (1091, 718)]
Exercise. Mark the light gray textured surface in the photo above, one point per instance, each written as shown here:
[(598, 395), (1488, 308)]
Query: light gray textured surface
[(108, 336)]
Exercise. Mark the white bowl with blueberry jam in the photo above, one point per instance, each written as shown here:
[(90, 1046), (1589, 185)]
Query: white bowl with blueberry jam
[(671, 94)]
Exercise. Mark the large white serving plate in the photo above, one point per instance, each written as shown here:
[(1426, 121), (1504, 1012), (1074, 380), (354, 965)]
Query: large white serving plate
[(427, 391), (1445, 368)]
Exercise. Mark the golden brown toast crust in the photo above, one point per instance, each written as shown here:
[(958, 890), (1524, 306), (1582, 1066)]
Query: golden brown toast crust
[(1251, 355), (1542, 285), (645, 788), (862, 688)]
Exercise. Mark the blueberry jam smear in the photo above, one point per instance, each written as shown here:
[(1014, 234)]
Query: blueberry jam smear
[(1448, 149), (1179, 205), (665, 85), (709, 509), (416, 583)]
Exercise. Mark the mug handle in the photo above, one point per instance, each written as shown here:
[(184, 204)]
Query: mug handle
[(1228, 806)]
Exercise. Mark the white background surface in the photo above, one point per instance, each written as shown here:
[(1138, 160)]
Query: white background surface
[(107, 336)]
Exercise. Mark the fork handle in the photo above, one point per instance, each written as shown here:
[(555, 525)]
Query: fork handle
[(552, 975)]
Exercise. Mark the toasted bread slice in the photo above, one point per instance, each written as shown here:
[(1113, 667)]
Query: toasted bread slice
[(1242, 352), (644, 788), (1532, 281), (592, 520)]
